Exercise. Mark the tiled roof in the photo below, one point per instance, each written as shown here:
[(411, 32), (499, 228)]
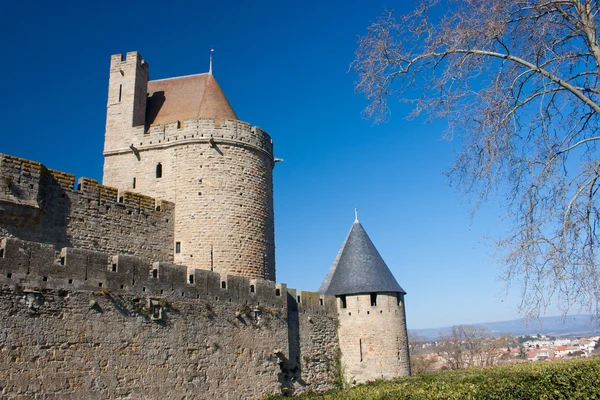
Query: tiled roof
[(192, 96), (358, 268)]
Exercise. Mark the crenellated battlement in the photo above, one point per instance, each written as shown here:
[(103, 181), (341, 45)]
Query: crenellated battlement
[(37, 266), (22, 179), (43, 205), (202, 130)]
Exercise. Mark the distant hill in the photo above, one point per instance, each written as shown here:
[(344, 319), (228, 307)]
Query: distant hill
[(571, 325)]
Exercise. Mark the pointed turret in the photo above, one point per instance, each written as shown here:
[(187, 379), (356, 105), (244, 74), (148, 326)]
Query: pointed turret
[(359, 268), (372, 332)]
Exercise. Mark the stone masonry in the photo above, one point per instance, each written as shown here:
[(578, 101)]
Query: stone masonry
[(381, 350), (217, 170), (82, 324), (42, 205), (160, 282)]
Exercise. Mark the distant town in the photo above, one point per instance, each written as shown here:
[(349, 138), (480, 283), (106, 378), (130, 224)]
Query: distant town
[(468, 346)]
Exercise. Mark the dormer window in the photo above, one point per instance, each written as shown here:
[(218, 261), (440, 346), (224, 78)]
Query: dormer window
[(159, 170)]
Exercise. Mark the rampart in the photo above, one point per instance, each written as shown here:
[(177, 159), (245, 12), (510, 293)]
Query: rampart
[(84, 324), (43, 205)]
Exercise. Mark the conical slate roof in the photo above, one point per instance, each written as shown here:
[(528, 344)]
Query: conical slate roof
[(186, 97), (358, 268)]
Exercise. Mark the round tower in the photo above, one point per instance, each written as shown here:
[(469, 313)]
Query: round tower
[(190, 148), (372, 332)]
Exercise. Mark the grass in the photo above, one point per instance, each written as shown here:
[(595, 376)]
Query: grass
[(575, 379)]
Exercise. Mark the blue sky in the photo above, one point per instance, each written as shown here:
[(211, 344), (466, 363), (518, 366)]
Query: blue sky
[(285, 67)]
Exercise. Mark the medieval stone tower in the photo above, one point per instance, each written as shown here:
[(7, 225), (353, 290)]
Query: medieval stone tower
[(372, 332), (178, 139)]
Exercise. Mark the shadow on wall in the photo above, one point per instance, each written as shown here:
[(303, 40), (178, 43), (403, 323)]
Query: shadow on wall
[(44, 219), (153, 106), (291, 370)]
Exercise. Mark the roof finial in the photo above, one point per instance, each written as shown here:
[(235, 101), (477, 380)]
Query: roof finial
[(356, 215), (210, 64)]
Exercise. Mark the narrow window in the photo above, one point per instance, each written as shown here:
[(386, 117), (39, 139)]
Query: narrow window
[(343, 301), (1, 253), (360, 349), (251, 288), (133, 183), (321, 301), (373, 299), (177, 247), (399, 298), (114, 267), (212, 260), (120, 92), (398, 340), (277, 292), (191, 279), (298, 299), (223, 285), (159, 170), (154, 273)]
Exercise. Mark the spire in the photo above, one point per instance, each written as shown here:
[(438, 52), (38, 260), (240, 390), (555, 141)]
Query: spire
[(210, 62), (359, 268)]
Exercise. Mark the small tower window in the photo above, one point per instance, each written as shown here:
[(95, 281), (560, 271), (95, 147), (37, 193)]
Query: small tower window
[(120, 92), (177, 247), (133, 183), (343, 301), (373, 299), (159, 170), (360, 349)]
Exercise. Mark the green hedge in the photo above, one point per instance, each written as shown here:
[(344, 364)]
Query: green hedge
[(576, 379)]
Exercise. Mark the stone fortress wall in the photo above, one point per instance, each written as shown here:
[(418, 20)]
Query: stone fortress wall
[(217, 171), (43, 205), (84, 324), (111, 293)]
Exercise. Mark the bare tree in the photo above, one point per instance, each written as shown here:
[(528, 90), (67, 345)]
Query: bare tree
[(420, 360), (470, 346), (518, 83), (451, 348)]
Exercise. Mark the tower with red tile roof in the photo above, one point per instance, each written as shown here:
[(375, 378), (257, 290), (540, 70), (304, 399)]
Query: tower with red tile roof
[(179, 139)]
